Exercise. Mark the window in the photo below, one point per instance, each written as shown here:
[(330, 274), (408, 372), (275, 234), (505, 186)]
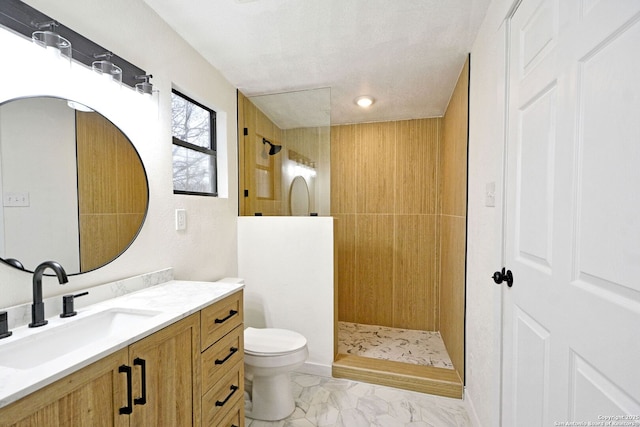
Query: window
[(194, 147)]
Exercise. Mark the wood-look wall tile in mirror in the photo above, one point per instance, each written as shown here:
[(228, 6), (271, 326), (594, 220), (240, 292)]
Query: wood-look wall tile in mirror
[(112, 190)]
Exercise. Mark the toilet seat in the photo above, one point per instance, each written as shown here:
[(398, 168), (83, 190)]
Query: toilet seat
[(272, 342)]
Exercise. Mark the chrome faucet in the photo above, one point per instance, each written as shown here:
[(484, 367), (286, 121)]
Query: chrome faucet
[(37, 309)]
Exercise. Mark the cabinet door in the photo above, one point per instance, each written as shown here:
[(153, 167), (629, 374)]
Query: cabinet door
[(76, 400), (166, 372)]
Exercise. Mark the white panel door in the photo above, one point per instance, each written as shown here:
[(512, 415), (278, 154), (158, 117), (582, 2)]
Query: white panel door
[(571, 320)]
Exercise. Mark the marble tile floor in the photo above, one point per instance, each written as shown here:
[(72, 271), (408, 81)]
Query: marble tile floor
[(334, 402), (400, 345)]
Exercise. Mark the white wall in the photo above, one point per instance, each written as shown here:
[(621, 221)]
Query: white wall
[(287, 266), (484, 239), (206, 250)]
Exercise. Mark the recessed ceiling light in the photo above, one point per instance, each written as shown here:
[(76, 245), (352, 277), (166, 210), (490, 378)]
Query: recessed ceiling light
[(364, 101)]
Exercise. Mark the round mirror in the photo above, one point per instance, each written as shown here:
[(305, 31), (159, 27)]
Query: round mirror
[(73, 186), (299, 197)]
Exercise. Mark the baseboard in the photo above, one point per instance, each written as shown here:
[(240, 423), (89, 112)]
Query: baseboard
[(315, 369), (471, 409)]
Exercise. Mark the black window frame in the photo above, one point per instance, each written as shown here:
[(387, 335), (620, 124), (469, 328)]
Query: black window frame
[(209, 151)]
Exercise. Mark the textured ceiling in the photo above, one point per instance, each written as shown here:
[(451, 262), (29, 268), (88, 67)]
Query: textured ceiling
[(407, 54)]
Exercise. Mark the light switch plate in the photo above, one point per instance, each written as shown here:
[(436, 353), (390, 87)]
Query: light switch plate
[(20, 199), (181, 219)]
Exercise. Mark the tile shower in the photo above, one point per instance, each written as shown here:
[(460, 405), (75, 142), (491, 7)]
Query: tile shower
[(399, 197)]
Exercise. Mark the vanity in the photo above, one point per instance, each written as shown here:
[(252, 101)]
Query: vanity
[(76, 191), (167, 355)]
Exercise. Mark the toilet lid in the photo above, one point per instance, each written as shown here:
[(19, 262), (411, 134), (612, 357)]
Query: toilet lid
[(272, 342)]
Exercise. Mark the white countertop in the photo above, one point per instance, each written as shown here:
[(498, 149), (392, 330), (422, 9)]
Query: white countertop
[(174, 300)]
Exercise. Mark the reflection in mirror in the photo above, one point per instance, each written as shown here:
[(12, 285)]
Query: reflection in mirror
[(299, 122), (299, 197), (74, 187)]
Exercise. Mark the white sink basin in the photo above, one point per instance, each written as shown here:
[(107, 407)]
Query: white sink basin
[(49, 344)]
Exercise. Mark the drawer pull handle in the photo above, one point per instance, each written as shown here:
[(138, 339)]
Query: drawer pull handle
[(126, 410), (233, 389), (232, 351), (231, 314), (142, 400)]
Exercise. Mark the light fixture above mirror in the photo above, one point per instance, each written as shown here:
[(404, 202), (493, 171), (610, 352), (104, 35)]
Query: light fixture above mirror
[(104, 66), (145, 86), (34, 72), (47, 37), (51, 34)]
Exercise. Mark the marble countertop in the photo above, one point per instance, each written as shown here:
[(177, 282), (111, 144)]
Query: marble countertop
[(170, 302)]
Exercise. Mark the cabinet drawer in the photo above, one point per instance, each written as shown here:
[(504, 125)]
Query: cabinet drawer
[(235, 417), (226, 394), (220, 318), (218, 358)]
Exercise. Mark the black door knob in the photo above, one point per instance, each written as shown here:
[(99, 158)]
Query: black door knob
[(502, 276)]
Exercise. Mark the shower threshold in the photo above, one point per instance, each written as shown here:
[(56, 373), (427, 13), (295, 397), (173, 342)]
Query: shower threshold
[(406, 359)]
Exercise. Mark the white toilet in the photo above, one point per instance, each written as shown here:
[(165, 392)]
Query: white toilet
[(269, 356)]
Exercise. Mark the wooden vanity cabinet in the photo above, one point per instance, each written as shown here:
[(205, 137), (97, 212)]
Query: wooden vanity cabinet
[(222, 345), (169, 363), (91, 396), (188, 381)]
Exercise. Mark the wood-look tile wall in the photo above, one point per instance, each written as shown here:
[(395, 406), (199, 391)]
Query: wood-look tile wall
[(453, 222), (112, 190), (384, 196), (399, 196)]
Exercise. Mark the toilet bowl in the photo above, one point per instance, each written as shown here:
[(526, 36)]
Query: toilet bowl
[(269, 356)]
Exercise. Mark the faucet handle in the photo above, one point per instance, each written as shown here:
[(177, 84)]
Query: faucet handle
[(67, 304), (4, 325)]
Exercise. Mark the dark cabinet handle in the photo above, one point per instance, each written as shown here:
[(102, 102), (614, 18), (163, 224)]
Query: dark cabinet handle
[(231, 314), (143, 378), (233, 389), (232, 351), (126, 410)]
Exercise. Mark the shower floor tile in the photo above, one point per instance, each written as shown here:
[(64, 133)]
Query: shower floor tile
[(399, 345)]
